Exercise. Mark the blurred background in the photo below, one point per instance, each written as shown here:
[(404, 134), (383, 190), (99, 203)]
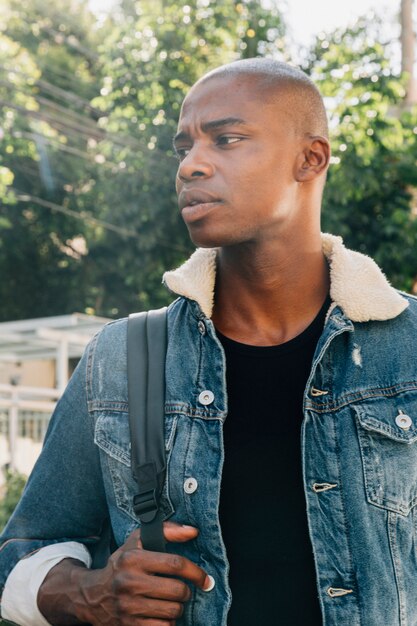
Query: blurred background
[(90, 93)]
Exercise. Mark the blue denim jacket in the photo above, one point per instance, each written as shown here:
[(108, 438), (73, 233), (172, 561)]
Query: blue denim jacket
[(359, 447)]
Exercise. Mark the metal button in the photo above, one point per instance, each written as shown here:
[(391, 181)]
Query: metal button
[(403, 421), (206, 397), (202, 327), (190, 485)]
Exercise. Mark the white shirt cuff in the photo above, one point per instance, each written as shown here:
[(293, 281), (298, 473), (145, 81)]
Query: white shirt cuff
[(19, 600)]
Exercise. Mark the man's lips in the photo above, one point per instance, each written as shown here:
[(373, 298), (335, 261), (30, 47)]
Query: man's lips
[(193, 197)]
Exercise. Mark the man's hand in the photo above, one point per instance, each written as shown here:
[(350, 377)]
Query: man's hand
[(137, 587)]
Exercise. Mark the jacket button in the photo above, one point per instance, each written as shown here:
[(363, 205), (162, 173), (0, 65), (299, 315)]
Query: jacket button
[(206, 397), (211, 585), (190, 485), (403, 421), (201, 327)]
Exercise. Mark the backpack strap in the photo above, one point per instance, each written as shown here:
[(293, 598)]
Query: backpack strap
[(146, 353)]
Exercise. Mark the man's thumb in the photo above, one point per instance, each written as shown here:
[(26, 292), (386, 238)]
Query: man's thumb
[(179, 532)]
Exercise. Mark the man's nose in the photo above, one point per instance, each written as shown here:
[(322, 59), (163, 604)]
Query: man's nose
[(195, 164)]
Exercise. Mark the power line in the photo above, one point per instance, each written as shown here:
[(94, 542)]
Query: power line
[(33, 135), (89, 219), (67, 95), (82, 215), (34, 173), (83, 129), (73, 116), (97, 133), (73, 42), (64, 94)]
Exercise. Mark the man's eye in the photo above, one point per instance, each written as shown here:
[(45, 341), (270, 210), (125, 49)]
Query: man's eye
[(181, 153), (226, 140)]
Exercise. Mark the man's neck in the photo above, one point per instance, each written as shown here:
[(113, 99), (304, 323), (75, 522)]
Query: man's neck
[(269, 294)]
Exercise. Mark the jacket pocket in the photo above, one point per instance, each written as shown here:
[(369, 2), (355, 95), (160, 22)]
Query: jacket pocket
[(387, 431), (112, 435)]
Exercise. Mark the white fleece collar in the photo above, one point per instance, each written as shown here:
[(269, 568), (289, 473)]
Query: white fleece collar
[(357, 284)]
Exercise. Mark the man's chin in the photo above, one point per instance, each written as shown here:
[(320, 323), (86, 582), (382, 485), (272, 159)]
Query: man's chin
[(203, 239)]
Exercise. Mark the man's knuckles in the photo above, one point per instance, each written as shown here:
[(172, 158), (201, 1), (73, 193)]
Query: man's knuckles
[(176, 564), (127, 559), (181, 591)]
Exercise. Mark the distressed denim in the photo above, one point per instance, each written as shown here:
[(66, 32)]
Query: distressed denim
[(359, 450)]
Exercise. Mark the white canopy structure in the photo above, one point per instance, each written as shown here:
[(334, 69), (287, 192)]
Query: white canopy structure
[(25, 410), (58, 338)]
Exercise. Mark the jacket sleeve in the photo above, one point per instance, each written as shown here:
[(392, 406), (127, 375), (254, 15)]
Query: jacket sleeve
[(64, 499)]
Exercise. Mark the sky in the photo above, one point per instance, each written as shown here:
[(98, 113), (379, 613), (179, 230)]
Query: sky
[(306, 18)]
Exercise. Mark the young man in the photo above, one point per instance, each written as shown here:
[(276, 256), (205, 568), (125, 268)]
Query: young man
[(291, 406)]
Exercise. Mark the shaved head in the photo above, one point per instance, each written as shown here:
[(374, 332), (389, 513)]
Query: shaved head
[(283, 83)]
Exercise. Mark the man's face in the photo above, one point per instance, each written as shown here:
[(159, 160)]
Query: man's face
[(237, 149)]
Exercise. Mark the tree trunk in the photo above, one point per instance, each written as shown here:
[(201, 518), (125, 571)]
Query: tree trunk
[(408, 51)]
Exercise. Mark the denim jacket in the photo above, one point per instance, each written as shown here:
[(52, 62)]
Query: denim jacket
[(359, 447)]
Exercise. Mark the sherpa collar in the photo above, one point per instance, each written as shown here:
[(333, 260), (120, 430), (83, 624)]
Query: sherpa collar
[(357, 284)]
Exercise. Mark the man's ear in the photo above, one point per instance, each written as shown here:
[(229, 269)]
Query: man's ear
[(313, 160)]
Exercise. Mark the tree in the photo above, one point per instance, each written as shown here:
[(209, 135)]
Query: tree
[(370, 196), (95, 218), (45, 129), (408, 56), (90, 221)]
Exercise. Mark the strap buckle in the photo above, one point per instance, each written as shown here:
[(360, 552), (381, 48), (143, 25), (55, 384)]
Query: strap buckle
[(146, 502), (145, 505)]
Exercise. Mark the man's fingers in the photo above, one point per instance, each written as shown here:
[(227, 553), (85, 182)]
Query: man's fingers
[(132, 542), (179, 533), (172, 531), (158, 609), (152, 621), (177, 566), (167, 589), (171, 565)]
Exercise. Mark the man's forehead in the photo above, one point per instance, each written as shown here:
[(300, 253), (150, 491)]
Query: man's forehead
[(218, 86), (223, 97)]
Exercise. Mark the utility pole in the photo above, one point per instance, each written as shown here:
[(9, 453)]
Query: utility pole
[(408, 51)]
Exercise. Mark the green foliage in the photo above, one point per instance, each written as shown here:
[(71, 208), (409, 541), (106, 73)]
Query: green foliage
[(89, 218), (12, 491), (100, 108), (43, 139), (369, 196)]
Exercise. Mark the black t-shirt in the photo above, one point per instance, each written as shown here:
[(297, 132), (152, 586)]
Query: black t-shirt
[(262, 508)]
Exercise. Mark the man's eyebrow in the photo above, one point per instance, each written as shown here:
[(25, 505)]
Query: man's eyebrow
[(226, 121), (212, 125)]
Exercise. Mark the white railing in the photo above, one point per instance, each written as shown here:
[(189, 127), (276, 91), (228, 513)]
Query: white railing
[(24, 418)]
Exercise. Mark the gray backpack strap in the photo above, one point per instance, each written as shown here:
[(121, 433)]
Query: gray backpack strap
[(146, 353)]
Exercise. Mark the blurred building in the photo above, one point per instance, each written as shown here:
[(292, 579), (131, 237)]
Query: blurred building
[(37, 357)]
